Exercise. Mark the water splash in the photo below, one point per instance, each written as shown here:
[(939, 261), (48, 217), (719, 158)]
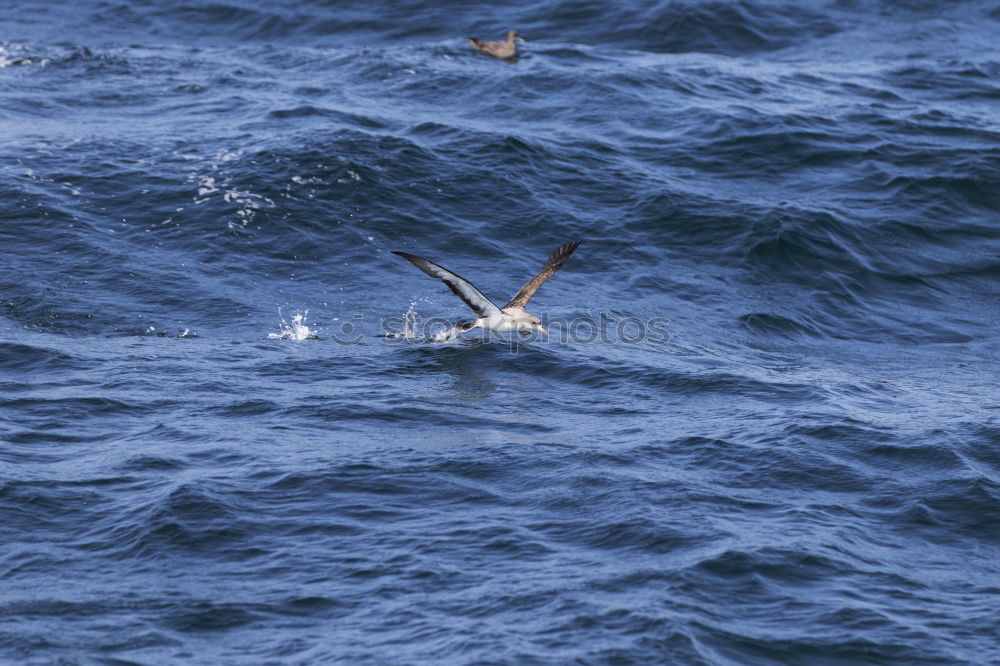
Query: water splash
[(410, 323), (412, 331), (409, 332), (296, 330), (445, 335)]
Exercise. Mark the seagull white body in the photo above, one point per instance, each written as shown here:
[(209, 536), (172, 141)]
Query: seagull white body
[(508, 320), (512, 316)]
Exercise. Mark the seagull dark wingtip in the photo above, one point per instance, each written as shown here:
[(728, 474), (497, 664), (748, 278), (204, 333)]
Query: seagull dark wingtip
[(412, 258), (567, 248)]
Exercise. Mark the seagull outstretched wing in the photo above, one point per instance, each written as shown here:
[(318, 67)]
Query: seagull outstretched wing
[(554, 263), (459, 286)]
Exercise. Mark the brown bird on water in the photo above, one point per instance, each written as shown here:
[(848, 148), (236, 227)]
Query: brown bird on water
[(504, 49)]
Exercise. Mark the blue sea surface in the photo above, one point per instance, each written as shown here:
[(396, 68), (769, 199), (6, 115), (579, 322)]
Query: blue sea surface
[(764, 427)]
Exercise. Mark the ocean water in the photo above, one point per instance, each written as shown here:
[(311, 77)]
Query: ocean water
[(764, 427)]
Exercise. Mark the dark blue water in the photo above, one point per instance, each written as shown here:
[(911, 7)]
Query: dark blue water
[(209, 456)]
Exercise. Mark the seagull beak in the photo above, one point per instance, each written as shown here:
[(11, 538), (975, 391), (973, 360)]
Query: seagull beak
[(542, 329)]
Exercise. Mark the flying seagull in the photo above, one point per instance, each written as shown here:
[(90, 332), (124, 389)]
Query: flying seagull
[(510, 317), (504, 49)]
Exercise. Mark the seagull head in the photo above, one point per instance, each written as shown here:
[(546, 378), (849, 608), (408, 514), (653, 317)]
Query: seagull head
[(533, 323), (514, 36)]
